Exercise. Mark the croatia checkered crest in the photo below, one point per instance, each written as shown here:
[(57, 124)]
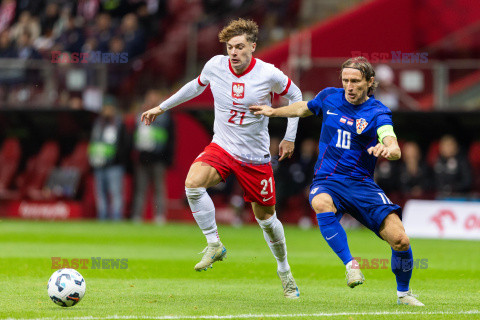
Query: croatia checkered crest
[(66, 287), (361, 125)]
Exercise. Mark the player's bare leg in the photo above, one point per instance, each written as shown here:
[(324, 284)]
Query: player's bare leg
[(200, 177), (275, 238), (393, 232), (336, 237)]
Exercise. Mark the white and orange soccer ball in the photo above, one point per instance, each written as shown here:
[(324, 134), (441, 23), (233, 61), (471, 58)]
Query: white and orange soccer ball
[(66, 287)]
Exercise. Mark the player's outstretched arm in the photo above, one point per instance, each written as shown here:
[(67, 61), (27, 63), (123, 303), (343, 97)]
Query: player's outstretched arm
[(150, 115), (187, 92), (297, 109), (389, 149)]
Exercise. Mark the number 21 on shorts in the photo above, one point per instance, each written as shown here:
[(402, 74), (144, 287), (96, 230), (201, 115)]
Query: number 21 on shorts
[(265, 184)]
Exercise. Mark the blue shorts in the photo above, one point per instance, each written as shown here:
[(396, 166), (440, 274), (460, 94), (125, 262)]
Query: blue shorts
[(363, 200)]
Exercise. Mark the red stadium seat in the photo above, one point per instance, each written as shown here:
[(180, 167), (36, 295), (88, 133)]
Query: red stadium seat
[(474, 158), (10, 154), (78, 158), (432, 153), (32, 180)]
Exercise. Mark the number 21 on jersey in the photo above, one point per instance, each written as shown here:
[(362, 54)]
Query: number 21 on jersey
[(343, 139), (234, 114)]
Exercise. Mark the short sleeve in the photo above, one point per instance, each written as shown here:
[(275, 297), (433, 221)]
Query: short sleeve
[(384, 118), (316, 105)]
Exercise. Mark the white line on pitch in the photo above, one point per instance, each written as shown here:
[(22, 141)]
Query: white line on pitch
[(249, 316)]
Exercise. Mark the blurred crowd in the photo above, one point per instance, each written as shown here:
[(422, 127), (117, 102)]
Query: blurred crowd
[(32, 29), (154, 35)]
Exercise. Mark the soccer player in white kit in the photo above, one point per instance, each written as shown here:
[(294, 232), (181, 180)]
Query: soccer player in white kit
[(240, 143)]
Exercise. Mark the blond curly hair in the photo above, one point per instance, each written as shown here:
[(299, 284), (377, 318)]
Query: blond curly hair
[(239, 27)]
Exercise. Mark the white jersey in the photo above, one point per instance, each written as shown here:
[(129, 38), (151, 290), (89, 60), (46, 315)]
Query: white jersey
[(236, 129)]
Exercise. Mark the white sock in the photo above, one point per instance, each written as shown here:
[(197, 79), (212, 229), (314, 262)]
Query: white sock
[(275, 237), (401, 293), (203, 211)]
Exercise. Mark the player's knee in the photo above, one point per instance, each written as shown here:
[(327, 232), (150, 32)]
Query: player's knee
[(401, 243), (323, 203), (194, 193), (192, 182)]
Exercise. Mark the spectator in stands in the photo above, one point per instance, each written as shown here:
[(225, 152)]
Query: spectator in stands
[(25, 49), (414, 174), (386, 176), (147, 20), (452, 172), (132, 35), (88, 9), (49, 16), (103, 31), (154, 151), (72, 38), (61, 23), (45, 43), (387, 92), (6, 47), (107, 155), (32, 6), (26, 23), (75, 102)]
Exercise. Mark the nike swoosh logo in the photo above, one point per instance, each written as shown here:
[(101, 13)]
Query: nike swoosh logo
[(406, 270), (237, 104), (331, 236), (334, 114), (265, 200)]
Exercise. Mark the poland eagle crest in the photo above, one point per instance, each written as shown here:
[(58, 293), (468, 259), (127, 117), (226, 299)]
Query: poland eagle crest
[(238, 90)]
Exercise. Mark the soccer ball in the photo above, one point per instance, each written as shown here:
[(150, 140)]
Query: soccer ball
[(66, 287)]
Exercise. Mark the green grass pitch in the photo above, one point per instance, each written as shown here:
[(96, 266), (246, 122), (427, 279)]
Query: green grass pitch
[(160, 282)]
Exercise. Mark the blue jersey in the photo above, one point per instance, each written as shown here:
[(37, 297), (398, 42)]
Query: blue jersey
[(347, 132)]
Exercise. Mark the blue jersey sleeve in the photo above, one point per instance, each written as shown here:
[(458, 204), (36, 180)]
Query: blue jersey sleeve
[(316, 105), (384, 118)]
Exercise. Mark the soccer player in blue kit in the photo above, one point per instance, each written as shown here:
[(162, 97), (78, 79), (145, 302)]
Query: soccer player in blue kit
[(356, 130)]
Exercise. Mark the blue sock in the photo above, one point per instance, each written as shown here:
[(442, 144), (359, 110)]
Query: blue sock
[(402, 266), (332, 231)]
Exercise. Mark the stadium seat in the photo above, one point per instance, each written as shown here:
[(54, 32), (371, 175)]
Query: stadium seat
[(474, 158), (66, 181), (31, 182), (78, 158), (10, 154), (432, 153)]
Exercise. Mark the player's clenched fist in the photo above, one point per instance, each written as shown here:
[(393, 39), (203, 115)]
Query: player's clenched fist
[(380, 150), (262, 110), (150, 115)]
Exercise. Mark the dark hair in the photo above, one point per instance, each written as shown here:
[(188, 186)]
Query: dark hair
[(364, 66), (237, 28)]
